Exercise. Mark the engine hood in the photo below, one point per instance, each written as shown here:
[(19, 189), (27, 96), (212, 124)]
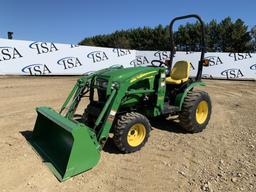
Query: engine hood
[(121, 74)]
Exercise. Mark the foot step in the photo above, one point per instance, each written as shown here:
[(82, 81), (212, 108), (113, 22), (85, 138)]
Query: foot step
[(169, 109)]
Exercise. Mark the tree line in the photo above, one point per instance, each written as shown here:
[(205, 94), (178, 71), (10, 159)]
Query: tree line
[(223, 36)]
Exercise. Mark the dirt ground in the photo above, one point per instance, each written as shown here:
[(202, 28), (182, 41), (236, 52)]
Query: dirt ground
[(221, 158)]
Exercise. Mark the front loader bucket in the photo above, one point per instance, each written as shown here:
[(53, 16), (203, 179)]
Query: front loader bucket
[(67, 147)]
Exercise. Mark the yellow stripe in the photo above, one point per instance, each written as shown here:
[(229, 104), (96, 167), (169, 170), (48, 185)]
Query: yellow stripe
[(149, 77), (141, 75)]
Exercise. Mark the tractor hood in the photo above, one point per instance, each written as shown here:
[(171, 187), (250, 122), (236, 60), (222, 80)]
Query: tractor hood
[(121, 74)]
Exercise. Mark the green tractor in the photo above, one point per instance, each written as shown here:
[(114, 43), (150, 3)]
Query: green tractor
[(121, 101)]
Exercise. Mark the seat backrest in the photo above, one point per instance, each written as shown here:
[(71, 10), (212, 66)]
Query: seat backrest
[(180, 70)]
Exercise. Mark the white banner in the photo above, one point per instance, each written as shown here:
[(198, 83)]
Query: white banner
[(222, 65), (44, 58)]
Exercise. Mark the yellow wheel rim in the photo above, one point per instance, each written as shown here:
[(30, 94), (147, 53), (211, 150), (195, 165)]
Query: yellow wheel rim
[(202, 112), (136, 134)]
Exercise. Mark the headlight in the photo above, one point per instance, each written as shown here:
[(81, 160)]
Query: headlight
[(115, 85)]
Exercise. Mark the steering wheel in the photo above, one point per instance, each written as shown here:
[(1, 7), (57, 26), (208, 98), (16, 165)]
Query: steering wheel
[(157, 61)]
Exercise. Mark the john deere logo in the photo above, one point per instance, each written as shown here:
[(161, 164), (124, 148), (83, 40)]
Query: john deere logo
[(240, 56), (121, 52), (161, 55), (214, 60), (43, 47), (8, 53), (69, 62), (36, 69), (97, 56), (232, 73), (140, 60)]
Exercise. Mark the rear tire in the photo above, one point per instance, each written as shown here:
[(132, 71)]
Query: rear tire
[(196, 111), (131, 132)]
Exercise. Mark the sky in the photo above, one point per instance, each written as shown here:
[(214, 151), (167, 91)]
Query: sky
[(70, 21)]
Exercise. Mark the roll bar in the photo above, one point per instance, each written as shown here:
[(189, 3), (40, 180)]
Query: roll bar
[(202, 43)]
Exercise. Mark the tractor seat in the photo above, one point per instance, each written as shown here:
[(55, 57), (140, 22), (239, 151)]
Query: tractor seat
[(179, 73)]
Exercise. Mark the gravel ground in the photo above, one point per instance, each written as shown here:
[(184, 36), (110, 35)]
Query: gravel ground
[(221, 158)]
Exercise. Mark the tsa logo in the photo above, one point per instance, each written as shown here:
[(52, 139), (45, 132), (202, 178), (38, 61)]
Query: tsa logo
[(192, 66), (8, 53), (36, 69), (43, 47), (207, 76), (253, 67), (140, 60), (121, 52), (69, 62), (232, 73), (97, 56), (72, 45), (161, 55), (240, 56), (214, 60)]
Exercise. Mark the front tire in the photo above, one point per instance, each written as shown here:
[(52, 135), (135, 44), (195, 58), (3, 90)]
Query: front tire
[(196, 111), (131, 132)]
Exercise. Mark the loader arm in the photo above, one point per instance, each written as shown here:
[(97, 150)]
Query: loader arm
[(79, 90), (81, 87), (107, 114), (110, 109)]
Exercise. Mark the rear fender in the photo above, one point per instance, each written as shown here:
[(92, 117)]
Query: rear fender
[(181, 96)]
